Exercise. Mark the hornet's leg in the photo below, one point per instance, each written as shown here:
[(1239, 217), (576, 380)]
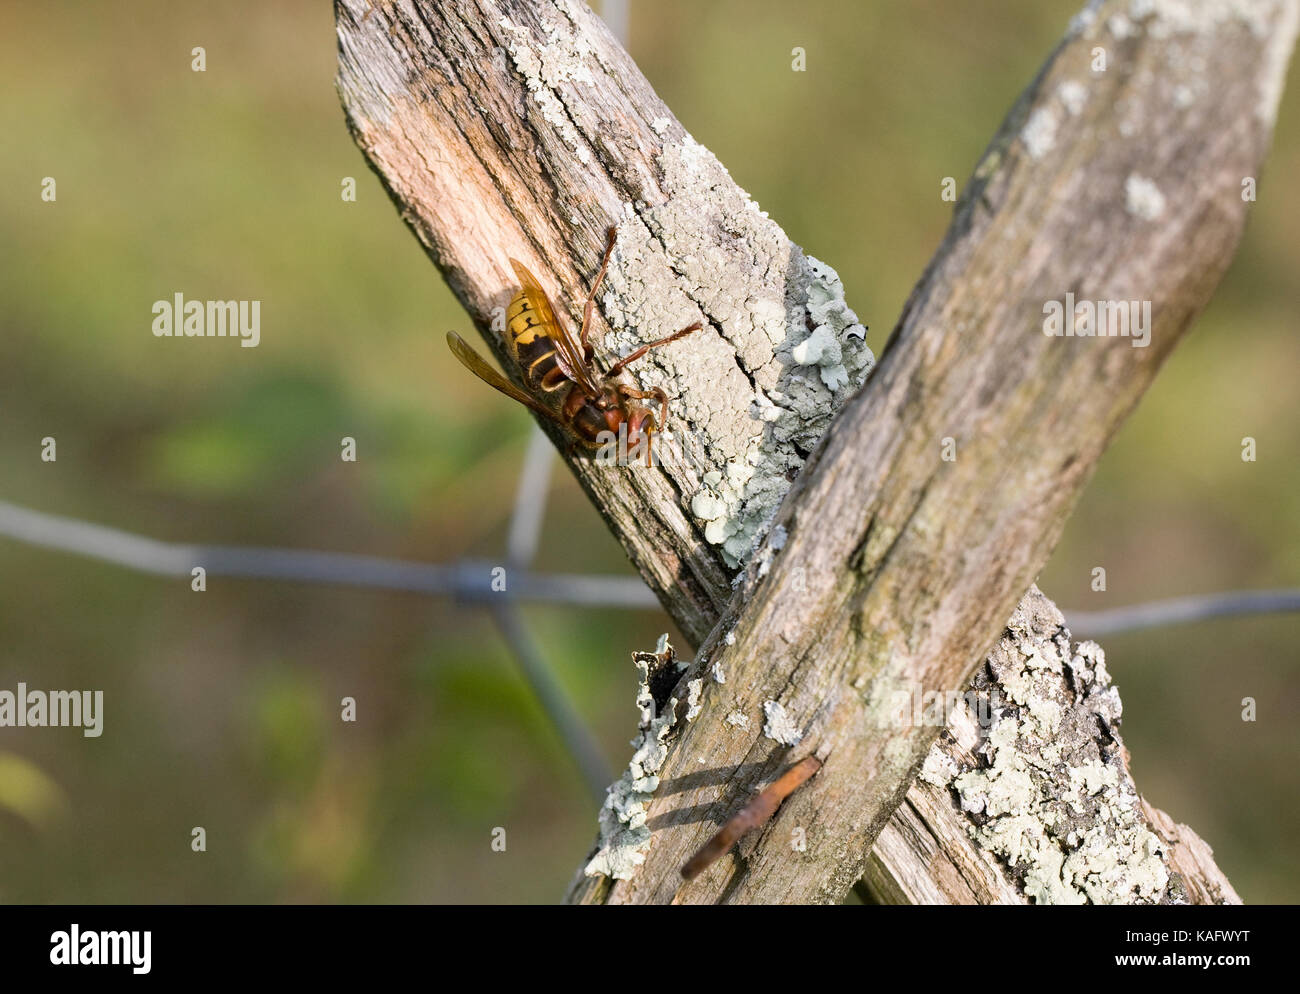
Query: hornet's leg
[(654, 394), (591, 297), (617, 368)]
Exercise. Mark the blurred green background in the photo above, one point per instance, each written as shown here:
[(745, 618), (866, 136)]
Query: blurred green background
[(222, 709)]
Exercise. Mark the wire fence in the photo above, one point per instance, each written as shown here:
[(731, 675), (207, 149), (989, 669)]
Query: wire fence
[(479, 582)]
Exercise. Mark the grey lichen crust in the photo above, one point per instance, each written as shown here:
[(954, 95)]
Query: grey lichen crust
[(1051, 794), (783, 334), (624, 836), (564, 57)]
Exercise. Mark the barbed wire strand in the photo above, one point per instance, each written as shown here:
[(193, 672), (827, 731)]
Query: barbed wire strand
[(468, 580), (471, 580), (1181, 610)]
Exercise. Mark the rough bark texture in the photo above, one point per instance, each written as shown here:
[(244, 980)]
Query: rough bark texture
[(520, 128)]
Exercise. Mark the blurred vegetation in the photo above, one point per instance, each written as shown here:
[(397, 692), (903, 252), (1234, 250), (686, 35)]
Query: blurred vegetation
[(222, 709)]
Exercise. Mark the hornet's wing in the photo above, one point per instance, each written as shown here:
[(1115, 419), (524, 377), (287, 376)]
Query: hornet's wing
[(477, 365)]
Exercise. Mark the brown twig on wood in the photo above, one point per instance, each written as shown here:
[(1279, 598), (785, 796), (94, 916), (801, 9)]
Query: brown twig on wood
[(753, 815)]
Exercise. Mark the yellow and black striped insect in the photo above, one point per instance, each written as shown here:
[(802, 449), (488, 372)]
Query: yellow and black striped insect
[(557, 368)]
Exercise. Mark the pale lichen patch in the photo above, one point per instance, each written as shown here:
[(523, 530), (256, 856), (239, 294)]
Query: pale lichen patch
[(1073, 95), (563, 58), (1142, 198), (694, 688), (1039, 132), (939, 768), (834, 322), (821, 349), (1052, 795), (1083, 20), (1274, 22), (739, 719), (767, 555), (624, 836), (706, 507), (1121, 27), (1166, 18), (779, 725)]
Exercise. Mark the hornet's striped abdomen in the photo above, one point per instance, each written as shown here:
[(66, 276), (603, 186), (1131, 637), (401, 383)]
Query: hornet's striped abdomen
[(529, 338)]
